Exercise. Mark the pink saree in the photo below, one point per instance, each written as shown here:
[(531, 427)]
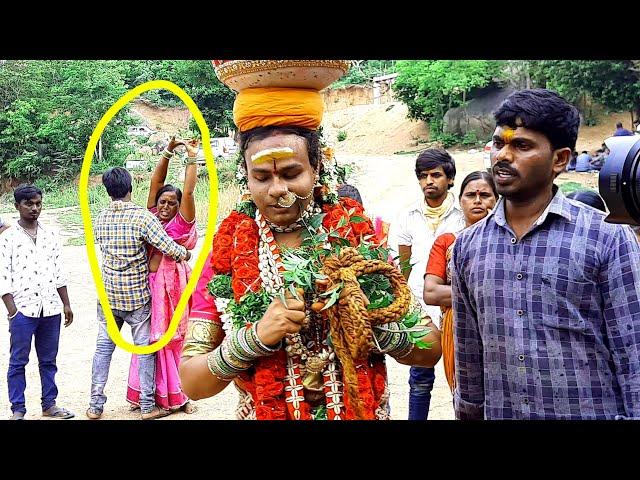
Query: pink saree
[(166, 285)]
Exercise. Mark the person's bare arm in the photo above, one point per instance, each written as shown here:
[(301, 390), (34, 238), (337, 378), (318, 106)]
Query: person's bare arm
[(404, 251), (436, 291), (197, 380), (160, 173), (68, 313), (9, 304), (425, 357), (188, 204)]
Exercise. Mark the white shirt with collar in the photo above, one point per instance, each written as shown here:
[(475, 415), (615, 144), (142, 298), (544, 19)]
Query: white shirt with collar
[(32, 272), (411, 229)]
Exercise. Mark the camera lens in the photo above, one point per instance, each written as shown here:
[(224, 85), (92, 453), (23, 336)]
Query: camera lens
[(619, 181)]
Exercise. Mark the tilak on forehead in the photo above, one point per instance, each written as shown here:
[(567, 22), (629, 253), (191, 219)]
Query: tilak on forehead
[(508, 132), (269, 154)]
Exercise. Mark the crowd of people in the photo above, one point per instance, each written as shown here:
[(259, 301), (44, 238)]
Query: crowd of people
[(529, 297)]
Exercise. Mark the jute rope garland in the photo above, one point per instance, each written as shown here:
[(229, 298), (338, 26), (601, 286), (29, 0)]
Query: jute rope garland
[(350, 321)]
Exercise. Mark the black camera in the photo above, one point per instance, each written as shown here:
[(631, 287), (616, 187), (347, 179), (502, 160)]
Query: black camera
[(619, 181)]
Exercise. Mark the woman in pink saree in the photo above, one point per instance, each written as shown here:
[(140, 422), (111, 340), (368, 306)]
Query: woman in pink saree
[(168, 279)]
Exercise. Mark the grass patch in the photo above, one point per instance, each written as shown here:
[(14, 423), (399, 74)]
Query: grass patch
[(569, 187), (75, 241)]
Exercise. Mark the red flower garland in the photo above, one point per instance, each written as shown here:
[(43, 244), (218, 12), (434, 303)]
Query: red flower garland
[(244, 264), (235, 252), (222, 250)]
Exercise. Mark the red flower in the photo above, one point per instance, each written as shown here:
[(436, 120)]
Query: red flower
[(269, 382)]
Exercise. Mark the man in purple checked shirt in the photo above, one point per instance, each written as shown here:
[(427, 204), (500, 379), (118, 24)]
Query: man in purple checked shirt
[(545, 293)]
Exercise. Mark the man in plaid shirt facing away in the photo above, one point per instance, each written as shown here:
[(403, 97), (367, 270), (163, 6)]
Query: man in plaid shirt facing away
[(545, 292), (123, 231)]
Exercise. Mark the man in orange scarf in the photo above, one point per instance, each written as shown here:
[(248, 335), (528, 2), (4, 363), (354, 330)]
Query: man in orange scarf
[(414, 233)]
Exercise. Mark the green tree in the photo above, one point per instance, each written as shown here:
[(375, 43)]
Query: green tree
[(430, 87), (49, 110), (614, 84), (198, 79)]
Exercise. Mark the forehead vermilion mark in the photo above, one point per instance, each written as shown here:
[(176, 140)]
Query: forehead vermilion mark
[(507, 134)]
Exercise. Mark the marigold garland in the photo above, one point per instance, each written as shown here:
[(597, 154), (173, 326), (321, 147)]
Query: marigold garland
[(235, 252)]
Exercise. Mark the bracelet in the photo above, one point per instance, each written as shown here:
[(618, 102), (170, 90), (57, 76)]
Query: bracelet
[(190, 161), (394, 342), (10, 317), (258, 345), (237, 352), (223, 366), (167, 154)]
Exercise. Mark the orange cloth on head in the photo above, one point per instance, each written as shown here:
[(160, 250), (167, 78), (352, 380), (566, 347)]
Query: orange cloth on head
[(263, 107)]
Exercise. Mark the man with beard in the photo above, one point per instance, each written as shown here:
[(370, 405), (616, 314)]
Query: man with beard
[(414, 234), (545, 293)]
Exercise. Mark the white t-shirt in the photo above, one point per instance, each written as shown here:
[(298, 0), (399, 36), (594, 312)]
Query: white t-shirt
[(411, 229)]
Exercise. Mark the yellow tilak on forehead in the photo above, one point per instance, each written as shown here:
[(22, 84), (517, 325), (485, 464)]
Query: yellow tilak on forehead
[(507, 134), (272, 154)]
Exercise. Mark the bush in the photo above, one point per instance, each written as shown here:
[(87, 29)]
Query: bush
[(449, 139), (342, 136), (470, 138)]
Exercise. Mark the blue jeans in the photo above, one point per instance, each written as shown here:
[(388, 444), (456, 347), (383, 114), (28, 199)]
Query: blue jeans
[(140, 322), (420, 386), (46, 331)]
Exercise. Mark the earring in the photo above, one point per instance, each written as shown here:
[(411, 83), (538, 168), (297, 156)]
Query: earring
[(246, 196)]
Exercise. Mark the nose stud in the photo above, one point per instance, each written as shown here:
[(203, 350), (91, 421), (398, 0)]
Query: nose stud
[(287, 200)]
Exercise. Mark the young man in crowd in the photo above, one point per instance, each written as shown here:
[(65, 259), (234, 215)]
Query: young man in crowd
[(123, 231), (545, 293), (33, 289), (414, 233)]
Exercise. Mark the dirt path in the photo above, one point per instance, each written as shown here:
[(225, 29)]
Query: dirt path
[(387, 184)]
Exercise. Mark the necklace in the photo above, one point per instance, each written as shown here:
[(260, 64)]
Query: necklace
[(32, 236), (311, 363), (311, 209)]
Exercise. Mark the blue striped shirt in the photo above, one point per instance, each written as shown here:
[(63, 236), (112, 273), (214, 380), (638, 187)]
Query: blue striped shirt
[(548, 326)]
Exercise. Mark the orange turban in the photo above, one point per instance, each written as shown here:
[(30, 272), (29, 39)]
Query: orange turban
[(263, 107)]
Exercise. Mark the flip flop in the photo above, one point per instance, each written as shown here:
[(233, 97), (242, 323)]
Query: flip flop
[(58, 412)]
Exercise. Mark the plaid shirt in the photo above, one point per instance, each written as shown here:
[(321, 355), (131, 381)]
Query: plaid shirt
[(122, 231), (548, 326)]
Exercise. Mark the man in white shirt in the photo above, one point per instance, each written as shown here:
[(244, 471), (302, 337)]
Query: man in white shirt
[(33, 289), (414, 233)]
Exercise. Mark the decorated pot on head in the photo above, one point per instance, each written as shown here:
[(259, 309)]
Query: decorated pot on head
[(282, 93), (311, 74)]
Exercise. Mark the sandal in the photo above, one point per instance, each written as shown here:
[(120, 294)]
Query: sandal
[(157, 412), (133, 407), (58, 412), (93, 413)]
